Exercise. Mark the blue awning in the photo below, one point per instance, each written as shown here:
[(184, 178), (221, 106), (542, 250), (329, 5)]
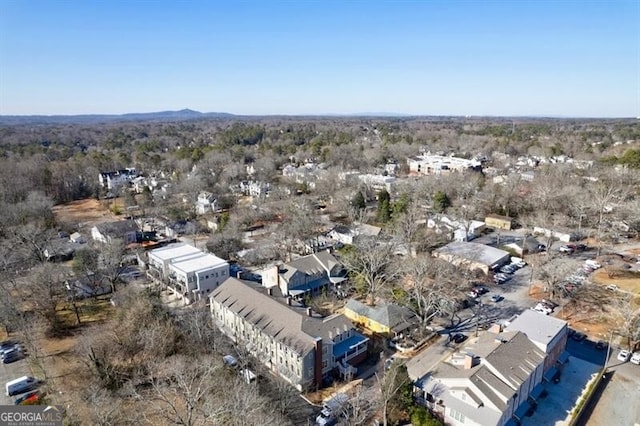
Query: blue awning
[(536, 392), (341, 349), (521, 411), (548, 376)]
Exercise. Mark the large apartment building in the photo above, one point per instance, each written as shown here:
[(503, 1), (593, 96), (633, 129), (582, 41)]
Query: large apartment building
[(188, 271), (290, 339), (438, 164)]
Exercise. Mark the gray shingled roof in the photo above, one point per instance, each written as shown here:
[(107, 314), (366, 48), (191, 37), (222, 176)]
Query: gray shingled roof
[(291, 327), (389, 315), (321, 261)]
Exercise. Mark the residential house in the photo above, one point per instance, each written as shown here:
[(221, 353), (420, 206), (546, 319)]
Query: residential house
[(305, 276), (427, 164), (499, 222), (473, 256), (255, 189), (126, 230), (114, 180), (188, 271), (346, 235), (91, 285), (378, 182), (457, 229), (206, 203), (299, 345), (560, 235), (548, 333), (387, 318), (494, 380)]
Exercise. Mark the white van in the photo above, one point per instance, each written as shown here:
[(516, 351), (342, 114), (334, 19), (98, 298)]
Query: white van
[(331, 409), (21, 385)]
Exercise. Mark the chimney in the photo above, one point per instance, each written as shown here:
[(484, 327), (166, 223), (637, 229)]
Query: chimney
[(270, 291), (496, 328), (289, 300), (309, 313), (318, 363), (470, 361)]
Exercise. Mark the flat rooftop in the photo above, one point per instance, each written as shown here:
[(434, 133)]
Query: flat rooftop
[(538, 328), (174, 250), (200, 263), (474, 252)]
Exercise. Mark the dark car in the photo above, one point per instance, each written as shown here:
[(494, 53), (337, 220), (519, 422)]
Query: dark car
[(578, 337), (496, 298), (459, 338), (601, 344), (13, 356)]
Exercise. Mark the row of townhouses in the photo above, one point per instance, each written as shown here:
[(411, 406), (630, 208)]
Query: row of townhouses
[(270, 320)]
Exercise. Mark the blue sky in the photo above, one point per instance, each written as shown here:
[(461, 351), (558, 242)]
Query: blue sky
[(544, 57)]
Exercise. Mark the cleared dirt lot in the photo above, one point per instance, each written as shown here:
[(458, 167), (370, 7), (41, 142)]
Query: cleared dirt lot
[(86, 213)]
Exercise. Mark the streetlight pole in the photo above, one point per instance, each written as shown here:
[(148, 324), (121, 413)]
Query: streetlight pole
[(606, 361)]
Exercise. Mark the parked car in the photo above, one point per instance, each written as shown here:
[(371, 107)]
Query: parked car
[(542, 308), (518, 261), (601, 344), (12, 356), (578, 337), (592, 264), (567, 248), (27, 396), (635, 358), (229, 360), (624, 355), (480, 289), (21, 385), (612, 287), (497, 298), (504, 277), (459, 338)]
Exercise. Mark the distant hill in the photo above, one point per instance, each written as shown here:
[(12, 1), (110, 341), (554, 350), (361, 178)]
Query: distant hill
[(181, 115)]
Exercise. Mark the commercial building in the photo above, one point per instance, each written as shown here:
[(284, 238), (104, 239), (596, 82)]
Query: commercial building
[(473, 256), (427, 164), (290, 339)]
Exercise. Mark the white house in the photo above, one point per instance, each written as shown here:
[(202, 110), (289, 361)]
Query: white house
[(457, 229), (114, 180), (206, 203), (345, 235)]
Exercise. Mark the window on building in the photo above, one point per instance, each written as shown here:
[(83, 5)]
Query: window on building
[(456, 415)]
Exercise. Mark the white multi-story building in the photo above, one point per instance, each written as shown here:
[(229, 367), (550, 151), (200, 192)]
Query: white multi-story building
[(188, 271), (427, 164)]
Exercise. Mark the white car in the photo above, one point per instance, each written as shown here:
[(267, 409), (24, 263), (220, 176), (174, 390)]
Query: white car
[(542, 308), (592, 264), (635, 358), (623, 355)]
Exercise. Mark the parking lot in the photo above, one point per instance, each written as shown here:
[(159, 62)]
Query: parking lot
[(9, 372)]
